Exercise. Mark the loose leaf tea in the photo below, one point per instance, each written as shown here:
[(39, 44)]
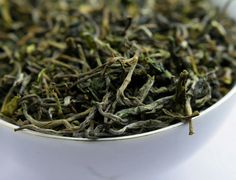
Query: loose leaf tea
[(112, 68)]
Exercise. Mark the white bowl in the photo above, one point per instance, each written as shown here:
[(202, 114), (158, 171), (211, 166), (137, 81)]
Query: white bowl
[(31, 155)]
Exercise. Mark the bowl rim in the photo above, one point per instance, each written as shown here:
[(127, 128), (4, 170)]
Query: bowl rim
[(4, 123)]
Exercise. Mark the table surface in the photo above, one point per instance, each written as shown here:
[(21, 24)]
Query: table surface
[(216, 160)]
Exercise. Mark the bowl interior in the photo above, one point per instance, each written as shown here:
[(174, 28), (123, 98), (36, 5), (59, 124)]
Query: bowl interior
[(232, 13)]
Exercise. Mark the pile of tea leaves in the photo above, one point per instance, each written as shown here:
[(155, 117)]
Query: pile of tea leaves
[(102, 68)]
